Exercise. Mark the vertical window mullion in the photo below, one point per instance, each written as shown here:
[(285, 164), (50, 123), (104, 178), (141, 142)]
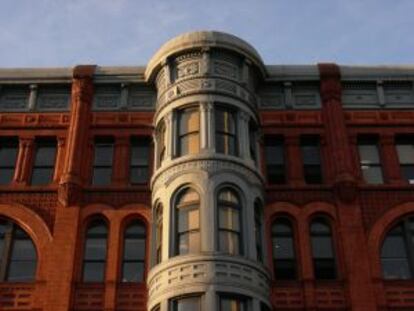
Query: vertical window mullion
[(409, 244)]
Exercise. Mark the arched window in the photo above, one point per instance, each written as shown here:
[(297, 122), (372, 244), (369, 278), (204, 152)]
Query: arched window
[(229, 221), (397, 253), (187, 222), (18, 257), (158, 233), (189, 131), (94, 257), (226, 133), (133, 264), (258, 218), (323, 254), (283, 246)]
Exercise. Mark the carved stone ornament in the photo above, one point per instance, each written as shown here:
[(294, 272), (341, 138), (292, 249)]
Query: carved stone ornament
[(69, 194), (346, 188)]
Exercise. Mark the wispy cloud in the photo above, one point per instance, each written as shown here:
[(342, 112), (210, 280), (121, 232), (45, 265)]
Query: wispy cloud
[(128, 32)]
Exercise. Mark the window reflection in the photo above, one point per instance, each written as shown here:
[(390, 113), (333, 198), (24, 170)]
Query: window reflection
[(133, 265)]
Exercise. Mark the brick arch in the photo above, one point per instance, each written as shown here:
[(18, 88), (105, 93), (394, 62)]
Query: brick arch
[(380, 229), (36, 228), (312, 209)]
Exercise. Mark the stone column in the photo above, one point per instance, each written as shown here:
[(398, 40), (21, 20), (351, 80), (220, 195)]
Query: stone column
[(82, 96), (294, 160), (60, 158), (24, 161), (120, 165)]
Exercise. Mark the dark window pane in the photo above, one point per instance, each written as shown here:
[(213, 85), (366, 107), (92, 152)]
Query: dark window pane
[(21, 271), (284, 269), (283, 247), (226, 144), (394, 247), (136, 229), (395, 268), (45, 154), (312, 174), (225, 121), (42, 175), (405, 152), (372, 174), (93, 271), (95, 249), (134, 249), (6, 175), (311, 154), (23, 250), (102, 176), (324, 269), (187, 304), (322, 247), (139, 175), (370, 160), (275, 160), (103, 154), (133, 272), (369, 152), (276, 174), (264, 307), (8, 151), (407, 172)]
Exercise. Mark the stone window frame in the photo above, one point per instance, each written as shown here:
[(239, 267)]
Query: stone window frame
[(157, 229)]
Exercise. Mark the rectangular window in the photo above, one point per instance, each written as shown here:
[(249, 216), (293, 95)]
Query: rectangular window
[(225, 123), (102, 167), (233, 303), (189, 131), (311, 159), (140, 155), (186, 304), (370, 159), (9, 146), (275, 160), (405, 150), (44, 162)]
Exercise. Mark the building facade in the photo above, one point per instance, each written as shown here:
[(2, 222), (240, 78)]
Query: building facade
[(207, 180)]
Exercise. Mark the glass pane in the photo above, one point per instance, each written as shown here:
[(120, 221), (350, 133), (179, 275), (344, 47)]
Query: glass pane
[(139, 175), (406, 153), (372, 174), (282, 226), (97, 228), (103, 154), (140, 152), (93, 271), (8, 156), (136, 228), (95, 249), (322, 247), (21, 271), (225, 121), (45, 154), (6, 175), (408, 173), (394, 247), (189, 121), (188, 219), (311, 155), (23, 250), (189, 144), (229, 196), (312, 174), (188, 196), (189, 243), (324, 269), (319, 226), (369, 154), (276, 174), (229, 218), (42, 176), (285, 269), (229, 242), (225, 144), (274, 152), (283, 248), (133, 272), (187, 304), (232, 304), (102, 176), (134, 249), (395, 268)]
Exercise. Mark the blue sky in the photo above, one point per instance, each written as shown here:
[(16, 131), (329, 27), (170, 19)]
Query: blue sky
[(47, 33)]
